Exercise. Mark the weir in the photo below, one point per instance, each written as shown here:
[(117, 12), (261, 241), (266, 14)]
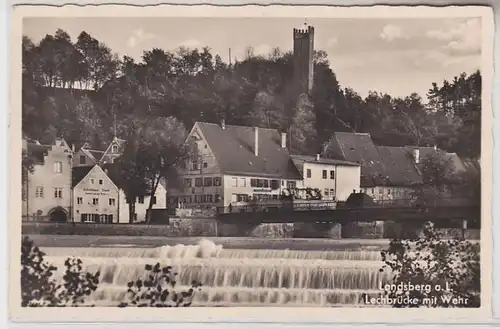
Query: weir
[(237, 277)]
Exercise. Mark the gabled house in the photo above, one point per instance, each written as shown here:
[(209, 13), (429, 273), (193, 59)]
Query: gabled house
[(233, 165), (87, 156), (99, 196), (387, 172), (95, 196), (48, 188)]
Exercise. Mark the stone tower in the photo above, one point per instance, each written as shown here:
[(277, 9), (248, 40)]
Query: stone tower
[(303, 66)]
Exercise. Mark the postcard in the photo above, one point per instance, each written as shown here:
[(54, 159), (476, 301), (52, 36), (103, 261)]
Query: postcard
[(255, 163)]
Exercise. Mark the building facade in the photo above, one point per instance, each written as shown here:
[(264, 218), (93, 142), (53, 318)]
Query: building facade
[(141, 205), (47, 190), (233, 165), (335, 179), (96, 197)]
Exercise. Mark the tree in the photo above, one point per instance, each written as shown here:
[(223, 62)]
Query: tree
[(437, 168), (154, 148), (437, 171), (162, 146), (38, 287), (446, 269)]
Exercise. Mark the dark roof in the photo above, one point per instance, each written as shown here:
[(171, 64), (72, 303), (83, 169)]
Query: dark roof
[(454, 158), (359, 148), (399, 165), (383, 165), (38, 151), (233, 148), (79, 173)]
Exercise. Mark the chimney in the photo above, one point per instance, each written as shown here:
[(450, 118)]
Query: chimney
[(416, 155), (223, 124), (317, 157), (256, 141), (283, 140)]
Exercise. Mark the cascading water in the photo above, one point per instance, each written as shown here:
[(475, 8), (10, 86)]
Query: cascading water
[(237, 277)]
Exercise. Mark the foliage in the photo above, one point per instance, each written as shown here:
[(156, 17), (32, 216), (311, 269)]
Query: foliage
[(196, 85), (157, 289), (153, 149), (438, 262), (437, 169), (38, 287)]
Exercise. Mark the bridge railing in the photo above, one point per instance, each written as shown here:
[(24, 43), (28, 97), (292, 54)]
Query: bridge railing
[(331, 205)]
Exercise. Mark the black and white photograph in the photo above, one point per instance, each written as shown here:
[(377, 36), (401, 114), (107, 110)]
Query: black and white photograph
[(300, 161)]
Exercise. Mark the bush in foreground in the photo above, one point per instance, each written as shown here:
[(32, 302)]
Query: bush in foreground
[(157, 289), (447, 271), (39, 288)]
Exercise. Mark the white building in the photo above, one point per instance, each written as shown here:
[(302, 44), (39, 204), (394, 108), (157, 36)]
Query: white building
[(99, 198), (95, 196), (335, 179)]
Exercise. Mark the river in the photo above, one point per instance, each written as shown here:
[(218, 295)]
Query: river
[(233, 271)]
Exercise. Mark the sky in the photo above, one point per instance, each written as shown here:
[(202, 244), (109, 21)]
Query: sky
[(394, 56)]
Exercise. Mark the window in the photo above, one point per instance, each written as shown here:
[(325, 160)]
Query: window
[(110, 219), (282, 183), (265, 183), (198, 198), (100, 181), (254, 182), (234, 182), (112, 202), (217, 198), (373, 190), (209, 198), (154, 200), (207, 181), (188, 182), (243, 182), (79, 200), (91, 181), (332, 192), (195, 166), (83, 159), (332, 174), (217, 181), (95, 201), (309, 173), (388, 191), (140, 200), (324, 174), (380, 191), (291, 184), (327, 191), (39, 192), (198, 182), (205, 165), (275, 184), (58, 167), (114, 148), (58, 193)]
